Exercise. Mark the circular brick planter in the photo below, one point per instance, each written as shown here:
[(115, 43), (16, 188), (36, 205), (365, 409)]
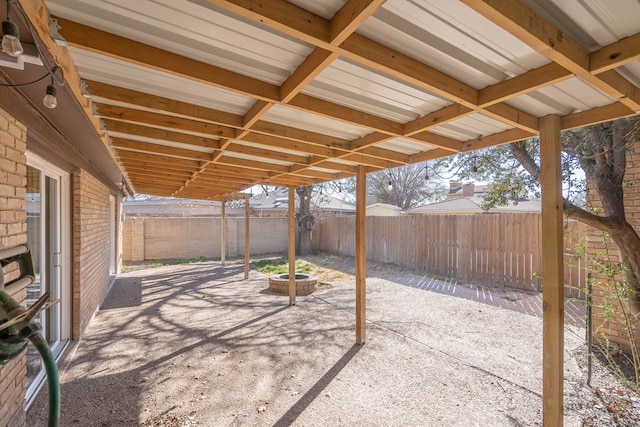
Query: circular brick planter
[(305, 284)]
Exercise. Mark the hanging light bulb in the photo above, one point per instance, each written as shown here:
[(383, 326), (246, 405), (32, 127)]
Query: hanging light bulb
[(474, 167), (50, 100), (389, 185), (11, 36)]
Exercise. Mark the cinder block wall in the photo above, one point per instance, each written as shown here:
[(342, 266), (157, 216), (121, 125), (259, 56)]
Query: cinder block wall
[(595, 244), (161, 238), (266, 235), (13, 231), (91, 251)]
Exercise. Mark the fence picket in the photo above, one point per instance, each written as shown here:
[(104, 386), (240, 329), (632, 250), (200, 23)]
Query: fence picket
[(491, 249)]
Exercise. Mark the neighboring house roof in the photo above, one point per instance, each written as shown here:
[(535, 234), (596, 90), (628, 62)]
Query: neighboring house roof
[(279, 199), (472, 205), (457, 189), (382, 209)]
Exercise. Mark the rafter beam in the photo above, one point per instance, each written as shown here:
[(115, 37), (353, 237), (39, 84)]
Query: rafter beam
[(520, 20), (615, 55)]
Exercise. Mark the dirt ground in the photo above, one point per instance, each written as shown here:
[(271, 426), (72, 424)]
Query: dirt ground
[(196, 345)]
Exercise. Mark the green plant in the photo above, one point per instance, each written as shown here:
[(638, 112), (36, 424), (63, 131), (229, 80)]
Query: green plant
[(191, 260), (156, 264), (280, 266), (615, 296)]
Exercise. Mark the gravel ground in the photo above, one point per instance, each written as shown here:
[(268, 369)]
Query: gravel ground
[(195, 345)]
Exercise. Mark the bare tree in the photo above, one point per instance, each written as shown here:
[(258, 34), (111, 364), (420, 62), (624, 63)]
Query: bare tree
[(405, 187), (305, 220)]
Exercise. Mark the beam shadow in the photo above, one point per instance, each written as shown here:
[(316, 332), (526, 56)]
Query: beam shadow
[(303, 403)]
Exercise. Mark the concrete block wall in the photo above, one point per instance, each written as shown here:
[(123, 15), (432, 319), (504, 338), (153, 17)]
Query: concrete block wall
[(266, 235), (158, 238), (13, 231), (91, 251), (133, 239)]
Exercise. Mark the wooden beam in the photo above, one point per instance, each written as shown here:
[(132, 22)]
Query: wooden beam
[(437, 118), (431, 155), (266, 153), (247, 213), (596, 115), (123, 144), (520, 20), (615, 55), (499, 138), (292, 245), (439, 141), (104, 43), (552, 271), (347, 20), (171, 123), (313, 65), (524, 83), (148, 132), (223, 233), (344, 114), (160, 104), (161, 161), (361, 256)]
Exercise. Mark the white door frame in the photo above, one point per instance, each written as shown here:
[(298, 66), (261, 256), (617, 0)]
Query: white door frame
[(63, 237)]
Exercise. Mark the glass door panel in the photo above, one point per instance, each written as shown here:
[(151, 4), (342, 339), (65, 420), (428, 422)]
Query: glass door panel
[(44, 238)]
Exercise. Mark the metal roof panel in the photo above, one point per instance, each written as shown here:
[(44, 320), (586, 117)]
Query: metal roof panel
[(135, 77), (404, 146), (446, 35), (303, 120), (185, 28), (363, 89)]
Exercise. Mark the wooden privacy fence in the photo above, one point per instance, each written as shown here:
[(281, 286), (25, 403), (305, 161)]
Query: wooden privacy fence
[(489, 250)]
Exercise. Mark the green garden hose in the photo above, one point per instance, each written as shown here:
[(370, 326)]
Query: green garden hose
[(17, 325), (52, 377)]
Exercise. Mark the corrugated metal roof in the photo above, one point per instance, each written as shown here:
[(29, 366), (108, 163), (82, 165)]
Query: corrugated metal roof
[(365, 90), (453, 39), (304, 91)]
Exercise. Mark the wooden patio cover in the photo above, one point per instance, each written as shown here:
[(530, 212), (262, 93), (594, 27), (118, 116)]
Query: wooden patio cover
[(203, 99)]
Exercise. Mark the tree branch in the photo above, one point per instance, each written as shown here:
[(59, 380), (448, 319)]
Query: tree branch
[(519, 151)]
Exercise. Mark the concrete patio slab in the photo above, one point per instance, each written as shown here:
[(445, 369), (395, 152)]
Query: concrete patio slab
[(196, 344)]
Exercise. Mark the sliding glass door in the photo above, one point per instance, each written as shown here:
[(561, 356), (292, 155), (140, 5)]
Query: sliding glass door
[(47, 234)]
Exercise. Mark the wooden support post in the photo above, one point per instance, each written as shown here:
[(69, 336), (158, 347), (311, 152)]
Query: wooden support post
[(361, 256), (223, 233), (552, 272), (247, 213), (292, 245)]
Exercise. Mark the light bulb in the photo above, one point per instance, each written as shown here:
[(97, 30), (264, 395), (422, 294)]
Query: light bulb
[(389, 186), (50, 100), (11, 39)]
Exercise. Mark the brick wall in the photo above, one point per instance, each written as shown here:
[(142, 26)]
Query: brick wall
[(183, 238), (13, 231), (91, 251), (596, 244)]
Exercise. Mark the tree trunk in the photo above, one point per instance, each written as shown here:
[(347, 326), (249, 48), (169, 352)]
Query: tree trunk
[(629, 248), (305, 221)]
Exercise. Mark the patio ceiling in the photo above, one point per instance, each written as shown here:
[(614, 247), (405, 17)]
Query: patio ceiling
[(202, 99)]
